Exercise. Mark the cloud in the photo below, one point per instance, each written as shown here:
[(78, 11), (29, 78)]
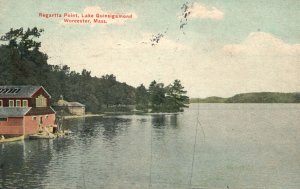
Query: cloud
[(4, 8), (141, 43), (203, 74), (99, 47), (110, 17), (262, 44), (127, 58), (103, 46), (202, 11)]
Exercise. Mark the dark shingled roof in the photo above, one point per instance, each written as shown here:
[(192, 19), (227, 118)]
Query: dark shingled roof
[(18, 91), (13, 111), (41, 111)]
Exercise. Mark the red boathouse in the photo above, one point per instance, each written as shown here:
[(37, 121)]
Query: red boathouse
[(25, 110)]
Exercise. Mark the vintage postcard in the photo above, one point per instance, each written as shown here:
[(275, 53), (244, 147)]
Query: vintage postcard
[(150, 94)]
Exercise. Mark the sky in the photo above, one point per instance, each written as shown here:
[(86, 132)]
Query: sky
[(226, 47)]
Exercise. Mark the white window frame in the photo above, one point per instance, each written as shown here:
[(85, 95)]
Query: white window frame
[(1, 103), (33, 118), (20, 105), (23, 103), (46, 116), (13, 103)]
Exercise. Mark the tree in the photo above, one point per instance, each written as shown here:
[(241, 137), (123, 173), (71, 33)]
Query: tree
[(21, 63), (107, 90), (141, 97), (297, 97), (157, 95), (176, 96), (21, 60), (23, 41)]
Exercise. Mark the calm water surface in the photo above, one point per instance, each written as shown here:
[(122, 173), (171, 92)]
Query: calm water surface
[(237, 146)]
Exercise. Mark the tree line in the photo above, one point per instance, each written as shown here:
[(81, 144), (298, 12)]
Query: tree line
[(22, 63)]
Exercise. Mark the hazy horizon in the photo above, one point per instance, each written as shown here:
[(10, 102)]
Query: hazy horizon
[(222, 49)]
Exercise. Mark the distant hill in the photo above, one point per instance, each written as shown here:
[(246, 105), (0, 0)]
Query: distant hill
[(259, 97), (212, 99)]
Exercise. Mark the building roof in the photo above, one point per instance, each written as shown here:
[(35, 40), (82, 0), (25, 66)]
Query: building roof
[(75, 104), (19, 91), (41, 111), (13, 111), (69, 104)]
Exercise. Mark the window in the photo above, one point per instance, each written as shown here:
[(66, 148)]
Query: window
[(11, 103), (18, 103), (41, 101), (1, 103), (46, 117), (41, 120), (3, 119), (25, 103), (33, 118)]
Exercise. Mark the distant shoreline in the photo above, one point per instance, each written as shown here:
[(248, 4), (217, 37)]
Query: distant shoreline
[(83, 116), (258, 97), (116, 113)]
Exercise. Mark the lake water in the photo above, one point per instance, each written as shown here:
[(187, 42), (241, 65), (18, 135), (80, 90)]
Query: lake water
[(234, 146)]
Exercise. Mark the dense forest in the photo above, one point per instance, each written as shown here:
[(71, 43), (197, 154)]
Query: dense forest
[(259, 97), (22, 63)]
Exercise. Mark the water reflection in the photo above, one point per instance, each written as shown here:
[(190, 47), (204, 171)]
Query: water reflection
[(23, 163), (126, 151), (158, 121), (161, 120), (174, 121), (114, 126)]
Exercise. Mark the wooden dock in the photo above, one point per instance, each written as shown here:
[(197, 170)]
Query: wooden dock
[(12, 139)]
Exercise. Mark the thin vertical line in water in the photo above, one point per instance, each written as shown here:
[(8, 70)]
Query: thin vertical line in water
[(24, 159), (202, 129), (2, 164), (150, 171), (82, 172), (194, 149)]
